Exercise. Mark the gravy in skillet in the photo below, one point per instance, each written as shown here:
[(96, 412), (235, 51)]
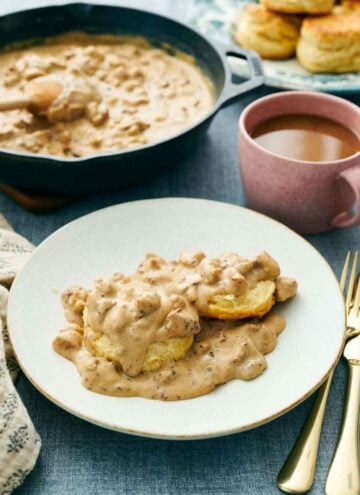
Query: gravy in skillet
[(139, 94)]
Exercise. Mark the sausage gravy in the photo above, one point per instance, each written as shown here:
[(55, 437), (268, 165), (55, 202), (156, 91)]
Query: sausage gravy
[(113, 326), (131, 94)]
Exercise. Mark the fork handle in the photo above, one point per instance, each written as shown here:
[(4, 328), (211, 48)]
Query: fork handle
[(298, 472), (344, 473)]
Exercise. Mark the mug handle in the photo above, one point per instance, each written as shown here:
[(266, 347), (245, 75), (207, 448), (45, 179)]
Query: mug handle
[(257, 78), (346, 219)]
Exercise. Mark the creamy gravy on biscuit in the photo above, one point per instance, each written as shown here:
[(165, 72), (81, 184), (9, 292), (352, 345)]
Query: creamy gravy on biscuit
[(145, 334)]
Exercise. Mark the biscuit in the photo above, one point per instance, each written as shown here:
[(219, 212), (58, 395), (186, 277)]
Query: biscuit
[(271, 35), (330, 43), (347, 6), (254, 304), (158, 353), (300, 6)]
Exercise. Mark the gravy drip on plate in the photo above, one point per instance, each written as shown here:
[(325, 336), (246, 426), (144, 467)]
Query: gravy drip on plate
[(306, 137), (113, 326), (138, 94)]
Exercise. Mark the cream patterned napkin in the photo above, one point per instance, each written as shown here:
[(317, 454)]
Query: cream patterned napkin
[(19, 442)]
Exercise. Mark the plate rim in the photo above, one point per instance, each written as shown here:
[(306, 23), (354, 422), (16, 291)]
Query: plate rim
[(147, 434), (278, 83)]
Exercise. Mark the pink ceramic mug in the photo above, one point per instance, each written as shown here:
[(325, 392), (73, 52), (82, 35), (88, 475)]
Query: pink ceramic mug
[(308, 196)]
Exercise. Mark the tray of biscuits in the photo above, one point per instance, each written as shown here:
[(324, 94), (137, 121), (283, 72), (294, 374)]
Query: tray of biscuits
[(305, 44)]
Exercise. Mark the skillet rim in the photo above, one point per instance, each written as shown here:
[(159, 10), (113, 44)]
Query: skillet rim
[(44, 159)]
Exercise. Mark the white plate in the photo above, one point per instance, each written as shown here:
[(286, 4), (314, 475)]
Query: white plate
[(215, 19), (116, 239)]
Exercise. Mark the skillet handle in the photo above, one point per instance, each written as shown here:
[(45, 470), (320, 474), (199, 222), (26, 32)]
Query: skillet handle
[(233, 90)]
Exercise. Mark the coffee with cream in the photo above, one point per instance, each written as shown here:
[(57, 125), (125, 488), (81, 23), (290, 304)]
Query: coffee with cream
[(306, 137)]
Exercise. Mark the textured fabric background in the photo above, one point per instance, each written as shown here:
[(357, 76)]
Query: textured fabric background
[(78, 458)]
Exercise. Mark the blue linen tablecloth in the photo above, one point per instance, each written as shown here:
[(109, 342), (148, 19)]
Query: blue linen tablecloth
[(78, 458)]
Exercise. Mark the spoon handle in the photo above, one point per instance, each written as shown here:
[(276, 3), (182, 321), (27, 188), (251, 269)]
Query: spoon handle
[(14, 103), (344, 473), (298, 472)]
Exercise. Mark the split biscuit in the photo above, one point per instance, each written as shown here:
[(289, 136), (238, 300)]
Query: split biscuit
[(158, 353), (271, 35), (255, 303), (330, 43)]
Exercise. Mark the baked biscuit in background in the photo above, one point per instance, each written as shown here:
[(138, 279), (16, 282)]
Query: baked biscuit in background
[(300, 6), (330, 43), (271, 35), (347, 6)]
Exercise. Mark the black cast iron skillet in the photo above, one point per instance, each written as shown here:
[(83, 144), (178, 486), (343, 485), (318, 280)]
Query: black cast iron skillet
[(107, 171)]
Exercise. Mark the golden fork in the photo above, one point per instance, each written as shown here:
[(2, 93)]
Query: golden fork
[(298, 472), (344, 473)]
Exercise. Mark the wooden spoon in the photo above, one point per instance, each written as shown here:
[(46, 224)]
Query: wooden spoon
[(39, 95)]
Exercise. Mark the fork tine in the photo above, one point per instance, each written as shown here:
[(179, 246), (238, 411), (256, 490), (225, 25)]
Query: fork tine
[(350, 290), (357, 298), (345, 271)]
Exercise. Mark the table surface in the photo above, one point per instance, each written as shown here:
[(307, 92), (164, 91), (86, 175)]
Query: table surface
[(79, 458)]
